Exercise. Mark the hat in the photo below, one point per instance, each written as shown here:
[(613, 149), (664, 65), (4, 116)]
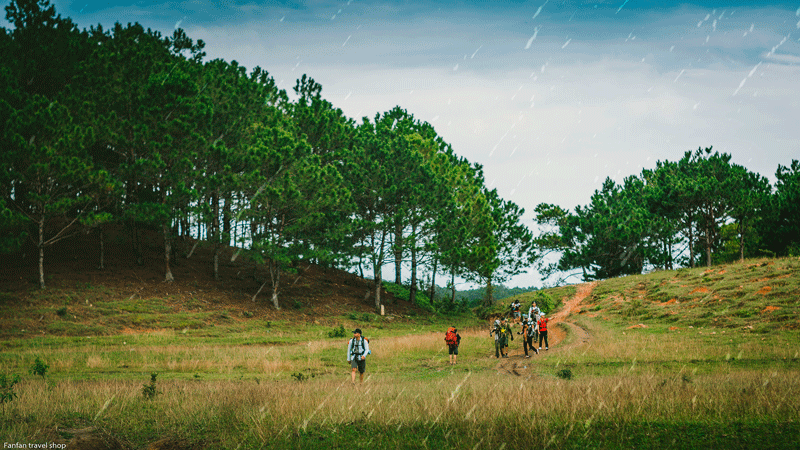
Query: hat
[(357, 331), (541, 315)]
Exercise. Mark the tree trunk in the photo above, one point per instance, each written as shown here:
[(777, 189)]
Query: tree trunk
[(376, 269), (452, 286), (102, 248), (215, 232), (708, 246), (413, 288), (741, 240), (691, 246), (433, 280), (167, 251), (41, 253), (488, 298), (398, 253), (275, 274), (137, 244), (226, 220)]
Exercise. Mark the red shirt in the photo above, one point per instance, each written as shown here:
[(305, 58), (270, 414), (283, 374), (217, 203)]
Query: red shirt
[(543, 324)]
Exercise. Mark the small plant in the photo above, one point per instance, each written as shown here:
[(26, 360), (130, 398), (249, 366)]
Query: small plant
[(300, 376), (7, 393), (352, 316), (39, 368), (247, 314), (337, 332), (366, 317), (61, 312), (149, 390), (564, 374)]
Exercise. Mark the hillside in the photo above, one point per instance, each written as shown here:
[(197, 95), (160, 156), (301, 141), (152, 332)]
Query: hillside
[(758, 295), (82, 299)]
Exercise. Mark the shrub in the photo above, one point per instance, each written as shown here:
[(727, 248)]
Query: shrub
[(39, 368), (564, 374), (7, 393), (337, 332), (149, 390)]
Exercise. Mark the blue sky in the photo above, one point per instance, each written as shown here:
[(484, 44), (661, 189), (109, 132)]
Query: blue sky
[(551, 97)]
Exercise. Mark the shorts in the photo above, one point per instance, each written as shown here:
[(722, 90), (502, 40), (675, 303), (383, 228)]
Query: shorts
[(516, 313), (360, 364), (452, 349)]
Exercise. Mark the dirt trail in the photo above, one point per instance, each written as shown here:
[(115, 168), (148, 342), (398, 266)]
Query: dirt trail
[(518, 365)]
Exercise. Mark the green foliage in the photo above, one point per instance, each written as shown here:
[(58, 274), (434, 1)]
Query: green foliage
[(39, 368), (300, 376), (544, 301), (149, 391), (7, 393), (338, 332), (564, 374)]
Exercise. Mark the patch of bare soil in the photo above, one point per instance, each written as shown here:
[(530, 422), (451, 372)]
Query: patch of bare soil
[(558, 328)]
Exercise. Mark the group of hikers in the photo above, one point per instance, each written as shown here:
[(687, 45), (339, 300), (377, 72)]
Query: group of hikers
[(534, 331)]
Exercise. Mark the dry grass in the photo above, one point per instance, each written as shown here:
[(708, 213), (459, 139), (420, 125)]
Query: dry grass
[(468, 401)]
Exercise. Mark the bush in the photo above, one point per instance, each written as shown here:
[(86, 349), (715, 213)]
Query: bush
[(149, 390), (7, 393), (337, 332), (564, 374), (39, 368)]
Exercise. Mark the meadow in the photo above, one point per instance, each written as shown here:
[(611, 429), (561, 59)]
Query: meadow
[(707, 376)]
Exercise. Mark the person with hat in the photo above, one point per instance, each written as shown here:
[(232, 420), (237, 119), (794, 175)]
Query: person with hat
[(529, 330), (502, 334), (357, 351)]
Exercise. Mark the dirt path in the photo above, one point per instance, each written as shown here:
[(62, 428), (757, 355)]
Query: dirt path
[(518, 365)]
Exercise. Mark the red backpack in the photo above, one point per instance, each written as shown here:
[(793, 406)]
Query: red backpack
[(450, 337)]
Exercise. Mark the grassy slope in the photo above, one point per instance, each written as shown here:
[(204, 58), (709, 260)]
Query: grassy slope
[(693, 358)]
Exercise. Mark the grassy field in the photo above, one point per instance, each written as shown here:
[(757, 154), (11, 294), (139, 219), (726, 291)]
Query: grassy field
[(693, 358)]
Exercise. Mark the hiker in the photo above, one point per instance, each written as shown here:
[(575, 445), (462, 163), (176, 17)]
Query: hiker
[(543, 332), (357, 351), (534, 312), (529, 331), (502, 332), (453, 340), (515, 310), (496, 331)]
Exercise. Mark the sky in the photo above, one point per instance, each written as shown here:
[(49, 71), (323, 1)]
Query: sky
[(550, 97)]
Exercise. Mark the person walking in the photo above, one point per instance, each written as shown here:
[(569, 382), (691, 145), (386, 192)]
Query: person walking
[(357, 351), (534, 312), (453, 340), (503, 334), (529, 330), (543, 332), (515, 306), (496, 332)]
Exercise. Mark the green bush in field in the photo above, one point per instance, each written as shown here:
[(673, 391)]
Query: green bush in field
[(337, 332), (39, 368), (7, 393), (149, 391)]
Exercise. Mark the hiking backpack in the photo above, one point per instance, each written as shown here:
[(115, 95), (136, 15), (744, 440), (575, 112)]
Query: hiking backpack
[(450, 337), (354, 351)]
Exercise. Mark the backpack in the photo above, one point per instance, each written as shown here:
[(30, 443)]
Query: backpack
[(355, 351), (530, 330), (450, 337)]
